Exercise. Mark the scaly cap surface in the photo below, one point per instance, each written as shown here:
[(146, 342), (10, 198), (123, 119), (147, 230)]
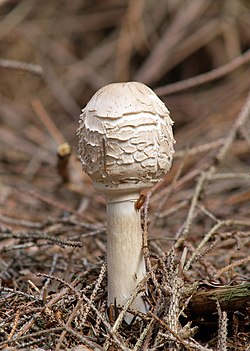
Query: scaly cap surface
[(125, 136)]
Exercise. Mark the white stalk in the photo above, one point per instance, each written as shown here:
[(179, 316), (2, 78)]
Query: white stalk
[(126, 265)]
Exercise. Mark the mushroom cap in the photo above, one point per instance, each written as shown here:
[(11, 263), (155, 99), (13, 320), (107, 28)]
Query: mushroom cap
[(125, 136)]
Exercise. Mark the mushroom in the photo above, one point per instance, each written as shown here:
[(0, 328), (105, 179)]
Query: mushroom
[(125, 146)]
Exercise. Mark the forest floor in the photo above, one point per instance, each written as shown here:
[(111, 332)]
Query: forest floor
[(54, 55)]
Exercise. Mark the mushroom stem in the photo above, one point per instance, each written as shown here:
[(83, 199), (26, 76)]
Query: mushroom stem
[(125, 146), (126, 264)]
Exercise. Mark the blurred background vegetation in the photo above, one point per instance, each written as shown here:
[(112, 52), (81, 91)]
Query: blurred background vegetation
[(82, 45)]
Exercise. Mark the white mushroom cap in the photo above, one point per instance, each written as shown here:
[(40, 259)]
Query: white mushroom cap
[(125, 136)]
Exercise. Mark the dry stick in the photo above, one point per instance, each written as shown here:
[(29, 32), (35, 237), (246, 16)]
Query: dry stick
[(89, 226), (222, 330), (246, 135), (199, 38), (94, 292), (21, 66), (128, 303), (241, 119), (208, 213), (153, 66), (20, 222), (195, 346), (143, 335), (15, 323), (127, 38), (199, 149), (93, 346), (123, 312), (205, 77), (42, 236), (80, 295), (47, 121), (232, 266), (208, 236), (108, 326), (37, 315), (59, 91), (68, 323), (57, 136), (145, 249), (63, 156), (207, 250), (22, 146), (167, 194), (54, 203), (20, 247), (172, 317), (69, 285), (46, 284), (184, 233), (39, 341), (189, 176), (171, 331), (15, 17), (53, 300), (89, 67), (28, 325), (63, 292), (64, 149), (192, 291), (97, 327), (32, 335), (228, 176), (171, 210), (16, 292)]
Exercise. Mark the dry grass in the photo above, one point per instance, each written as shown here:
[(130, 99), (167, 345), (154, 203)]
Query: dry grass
[(53, 56)]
